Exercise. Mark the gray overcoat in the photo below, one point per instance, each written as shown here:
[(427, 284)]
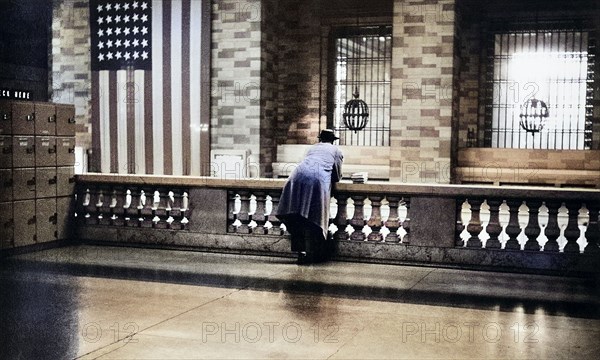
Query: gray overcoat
[(308, 190)]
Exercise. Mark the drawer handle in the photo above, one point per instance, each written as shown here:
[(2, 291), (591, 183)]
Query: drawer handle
[(71, 121), (52, 118), (32, 221), (30, 117), (7, 150), (53, 219), (5, 116), (71, 180), (52, 150), (31, 182), (9, 224), (52, 181), (30, 150), (71, 150)]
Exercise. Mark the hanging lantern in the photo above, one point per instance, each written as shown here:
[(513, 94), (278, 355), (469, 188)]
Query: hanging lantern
[(534, 114), (356, 113)]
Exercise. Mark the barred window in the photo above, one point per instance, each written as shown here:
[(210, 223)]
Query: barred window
[(363, 57), (540, 92)]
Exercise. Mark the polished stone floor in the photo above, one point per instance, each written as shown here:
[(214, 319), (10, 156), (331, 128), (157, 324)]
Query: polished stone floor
[(93, 302)]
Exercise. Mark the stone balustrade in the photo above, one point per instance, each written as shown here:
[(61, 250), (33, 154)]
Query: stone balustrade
[(508, 227)]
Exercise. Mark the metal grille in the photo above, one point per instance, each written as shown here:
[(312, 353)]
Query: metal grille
[(363, 58), (553, 66)]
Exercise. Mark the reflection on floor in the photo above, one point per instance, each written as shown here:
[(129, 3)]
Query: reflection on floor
[(129, 303)]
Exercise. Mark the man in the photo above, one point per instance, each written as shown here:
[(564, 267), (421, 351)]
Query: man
[(304, 203)]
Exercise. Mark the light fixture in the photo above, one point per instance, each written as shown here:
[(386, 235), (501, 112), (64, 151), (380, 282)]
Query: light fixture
[(534, 114), (356, 111)]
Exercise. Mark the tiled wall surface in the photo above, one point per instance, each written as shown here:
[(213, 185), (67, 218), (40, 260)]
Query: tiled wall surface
[(532, 159), (268, 91), (535, 167), (69, 63), (236, 76), (422, 76), (468, 51), (299, 52)]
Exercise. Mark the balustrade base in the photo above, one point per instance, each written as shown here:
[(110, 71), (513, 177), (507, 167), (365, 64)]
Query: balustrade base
[(363, 251)]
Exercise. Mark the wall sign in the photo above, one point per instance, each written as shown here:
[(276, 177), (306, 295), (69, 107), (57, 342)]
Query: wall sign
[(15, 94)]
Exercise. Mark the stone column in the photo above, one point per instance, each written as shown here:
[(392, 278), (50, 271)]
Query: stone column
[(422, 78)]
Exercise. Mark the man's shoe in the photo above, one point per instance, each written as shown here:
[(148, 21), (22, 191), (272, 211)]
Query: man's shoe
[(303, 259)]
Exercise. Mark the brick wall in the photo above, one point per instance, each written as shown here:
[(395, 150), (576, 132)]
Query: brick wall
[(69, 63), (236, 77), (299, 50), (422, 79), (269, 83)]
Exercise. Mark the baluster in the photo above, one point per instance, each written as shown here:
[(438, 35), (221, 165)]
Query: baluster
[(406, 222), (231, 214), (185, 202), (132, 200), (161, 215), (145, 209), (79, 199), (393, 220), (533, 230), (158, 213), (552, 230), (260, 216), (592, 233), (513, 229), (494, 228), (175, 211), (341, 218), (243, 216), (474, 228), (572, 231), (99, 204), (117, 209), (89, 203), (460, 227), (375, 222), (112, 205), (275, 228), (358, 220), (104, 210)]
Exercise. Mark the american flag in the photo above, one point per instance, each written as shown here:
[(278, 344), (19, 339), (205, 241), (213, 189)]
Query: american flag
[(146, 86), (121, 35)]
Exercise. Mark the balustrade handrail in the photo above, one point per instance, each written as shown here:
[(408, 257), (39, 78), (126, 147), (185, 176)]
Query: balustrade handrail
[(442, 218), (375, 187)]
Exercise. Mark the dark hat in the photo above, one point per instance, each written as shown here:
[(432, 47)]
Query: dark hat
[(327, 135)]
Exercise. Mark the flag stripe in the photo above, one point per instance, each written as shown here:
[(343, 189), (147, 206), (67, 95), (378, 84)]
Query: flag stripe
[(105, 120), (195, 88), (185, 81), (157, 87), (140, 135), (130, 99), (166, 66), (122, 121), (94, 161), (176, 80), (205, 36), (110, 117), (148, 123)]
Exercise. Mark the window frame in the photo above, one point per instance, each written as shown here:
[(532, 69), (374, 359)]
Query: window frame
[(487, 60), (336, 32)]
